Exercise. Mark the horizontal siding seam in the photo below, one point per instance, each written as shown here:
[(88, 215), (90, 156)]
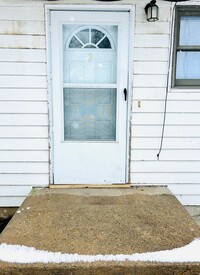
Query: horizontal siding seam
[(27, 173), (29, 138), (25, 150), (25, 100), (143, 172), (24, 161), (166, 124), (132, 149)]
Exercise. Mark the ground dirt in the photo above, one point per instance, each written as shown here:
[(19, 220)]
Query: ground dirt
[(3, 223)]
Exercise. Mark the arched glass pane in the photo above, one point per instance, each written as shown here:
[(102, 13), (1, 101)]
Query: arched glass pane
[(96, 36), (74, 43), (104, 44), (83, 36), (90, 38)]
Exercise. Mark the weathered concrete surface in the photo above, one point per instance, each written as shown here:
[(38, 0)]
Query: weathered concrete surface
[(99, 268), (91, 221), (194, 211)]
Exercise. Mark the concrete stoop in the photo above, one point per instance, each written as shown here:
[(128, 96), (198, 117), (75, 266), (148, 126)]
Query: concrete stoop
[(101, 221), (141, 268)]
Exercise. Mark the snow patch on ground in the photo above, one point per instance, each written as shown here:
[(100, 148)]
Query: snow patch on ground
[(25, 255)]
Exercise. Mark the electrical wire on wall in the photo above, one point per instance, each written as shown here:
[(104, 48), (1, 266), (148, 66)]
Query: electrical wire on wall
[(167, 84)]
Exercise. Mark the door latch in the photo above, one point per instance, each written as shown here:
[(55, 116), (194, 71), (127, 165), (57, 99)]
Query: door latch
[(125, 94)]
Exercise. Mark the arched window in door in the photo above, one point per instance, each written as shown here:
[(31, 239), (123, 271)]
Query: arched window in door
[(89, 38)]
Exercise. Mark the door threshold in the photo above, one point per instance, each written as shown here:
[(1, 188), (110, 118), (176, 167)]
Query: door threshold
[(81, 186)]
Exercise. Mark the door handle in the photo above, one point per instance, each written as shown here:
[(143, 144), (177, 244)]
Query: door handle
[(125, 94)]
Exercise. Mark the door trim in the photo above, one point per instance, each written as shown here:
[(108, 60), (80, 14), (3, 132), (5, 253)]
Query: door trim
[(97, 8)]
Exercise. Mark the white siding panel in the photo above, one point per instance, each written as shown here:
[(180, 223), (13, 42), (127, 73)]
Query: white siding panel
[(149, 93), (189, 199), (37, 180), (172, 106), (13, 68), (11, 201), (166, 155), (155, 93), (22, 3), (23, 144), (23, 107), (10, 191), (22, 41), (165, 178), (23, 55), (19, 156), (149, 81), (23, 119), (170, 131), (23, 81), (151, 40), (24, 168), (23, 132), (185, 189), (188, 95), (166, 167), (21, 13), (151, 54), (171, 119), (22, 27), (168, 143), (150, 67), (153, 28), (23, 94)]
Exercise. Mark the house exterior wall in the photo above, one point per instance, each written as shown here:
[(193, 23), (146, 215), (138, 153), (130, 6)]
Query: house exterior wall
[(24, 119), (178, 164), (24, 138)]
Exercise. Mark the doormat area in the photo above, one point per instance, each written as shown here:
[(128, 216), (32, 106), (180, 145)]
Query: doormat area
[(91, 224)]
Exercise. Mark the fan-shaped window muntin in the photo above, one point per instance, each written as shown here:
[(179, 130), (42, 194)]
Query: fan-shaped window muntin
[(89, 38)]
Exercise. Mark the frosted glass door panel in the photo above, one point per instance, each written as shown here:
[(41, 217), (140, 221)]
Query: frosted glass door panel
[(89, 54), (86, 71), (90, 114)]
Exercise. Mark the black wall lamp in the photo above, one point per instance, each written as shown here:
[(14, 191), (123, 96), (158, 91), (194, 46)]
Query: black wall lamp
[(151, 10)]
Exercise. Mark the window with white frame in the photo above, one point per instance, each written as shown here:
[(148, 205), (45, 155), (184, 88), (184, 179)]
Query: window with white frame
[(186, 61)]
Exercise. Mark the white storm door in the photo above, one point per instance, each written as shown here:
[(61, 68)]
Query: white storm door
[(89, 52)]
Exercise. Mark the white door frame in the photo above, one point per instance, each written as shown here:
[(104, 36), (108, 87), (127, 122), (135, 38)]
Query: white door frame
[(115, 8)]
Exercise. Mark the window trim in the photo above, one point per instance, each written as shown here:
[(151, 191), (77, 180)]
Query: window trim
[(183, 11)]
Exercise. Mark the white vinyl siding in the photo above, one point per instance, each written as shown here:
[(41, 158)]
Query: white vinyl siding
[(179, 162), (24, 138), (13, 196)]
